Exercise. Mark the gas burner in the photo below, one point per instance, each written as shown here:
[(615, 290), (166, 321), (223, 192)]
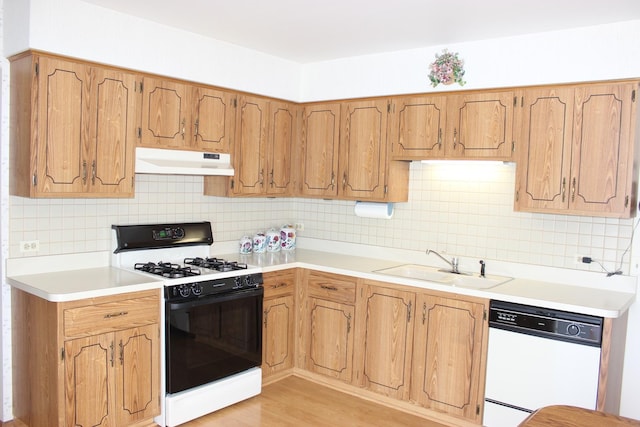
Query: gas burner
[(167, 269), (215, 264)]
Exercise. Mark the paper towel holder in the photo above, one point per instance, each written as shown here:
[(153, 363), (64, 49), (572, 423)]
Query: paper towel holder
[(378, 210)]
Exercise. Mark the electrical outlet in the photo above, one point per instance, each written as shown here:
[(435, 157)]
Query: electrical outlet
[(29, 246), (299, 226)]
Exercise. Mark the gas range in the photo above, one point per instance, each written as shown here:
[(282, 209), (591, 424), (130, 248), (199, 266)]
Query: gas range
[(179, 253)]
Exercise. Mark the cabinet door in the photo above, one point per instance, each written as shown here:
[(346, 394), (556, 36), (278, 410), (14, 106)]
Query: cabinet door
[(480, 126), (320, 142), (447, 356), (601, 173), (330, 339), (544, 149), (89, 381), (137, 374), (417, 127), (385, 340), (214, 116), (63, 126), (277, 335), (116, 102), (363, 149), (165, 114), (250, 145), (282, 134)]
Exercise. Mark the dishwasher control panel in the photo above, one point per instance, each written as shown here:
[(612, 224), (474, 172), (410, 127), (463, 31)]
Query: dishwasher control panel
[(543, 322)]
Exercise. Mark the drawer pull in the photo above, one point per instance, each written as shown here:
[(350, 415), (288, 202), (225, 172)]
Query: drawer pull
[(279, 285), (122, 313), (329, 288)]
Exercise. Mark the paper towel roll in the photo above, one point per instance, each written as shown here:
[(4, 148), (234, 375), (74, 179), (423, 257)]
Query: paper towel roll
[(374, 210)]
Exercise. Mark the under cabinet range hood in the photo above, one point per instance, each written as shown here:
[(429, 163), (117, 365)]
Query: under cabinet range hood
[(181, 162)]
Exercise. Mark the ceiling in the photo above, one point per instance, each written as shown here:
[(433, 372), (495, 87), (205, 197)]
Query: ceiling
[(307, 31)]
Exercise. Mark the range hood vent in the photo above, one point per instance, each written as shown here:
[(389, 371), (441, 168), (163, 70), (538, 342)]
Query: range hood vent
[(180, 162)]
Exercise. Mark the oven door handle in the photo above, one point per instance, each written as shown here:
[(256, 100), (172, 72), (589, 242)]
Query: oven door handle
[(209, 299)]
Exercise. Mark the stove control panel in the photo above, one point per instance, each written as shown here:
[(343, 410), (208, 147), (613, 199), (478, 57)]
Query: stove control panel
[(213, 287), (168, 233)]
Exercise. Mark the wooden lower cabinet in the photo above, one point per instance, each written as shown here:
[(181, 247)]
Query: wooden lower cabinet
[(109, 379), (93, 362), (330, 324), (384, 339), (450, 339), (425, 348), (419, 350), (278, 323)]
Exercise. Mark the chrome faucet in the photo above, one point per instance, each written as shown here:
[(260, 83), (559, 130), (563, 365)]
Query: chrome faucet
[(453, 263)]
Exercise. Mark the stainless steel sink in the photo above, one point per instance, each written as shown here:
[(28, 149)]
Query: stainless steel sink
[(431, 274)]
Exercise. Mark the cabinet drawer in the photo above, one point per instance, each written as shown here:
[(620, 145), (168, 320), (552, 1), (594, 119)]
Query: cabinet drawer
[(279, 283), (111, 316), (332, 287)]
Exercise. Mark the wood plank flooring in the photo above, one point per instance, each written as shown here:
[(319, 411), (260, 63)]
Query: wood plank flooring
[(297, 402)]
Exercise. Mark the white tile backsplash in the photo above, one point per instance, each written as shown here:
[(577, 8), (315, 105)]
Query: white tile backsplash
[(462, 208)]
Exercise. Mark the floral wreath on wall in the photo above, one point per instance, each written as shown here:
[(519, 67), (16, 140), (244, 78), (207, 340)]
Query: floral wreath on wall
[(447, 69)]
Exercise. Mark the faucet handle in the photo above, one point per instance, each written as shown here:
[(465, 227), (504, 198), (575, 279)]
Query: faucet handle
[(482, 268)]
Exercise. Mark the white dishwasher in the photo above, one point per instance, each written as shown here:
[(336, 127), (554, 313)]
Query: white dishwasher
[(539, 357)]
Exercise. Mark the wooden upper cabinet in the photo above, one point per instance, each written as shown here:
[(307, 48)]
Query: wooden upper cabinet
[(480, 126), (250, 146), (283, 133), (214, 117), (363, 149), (74, 128), (263, 150), (417, 127), (165, 111), (578, 154), (178, 115), (320, 143), (469, 126), (345, 153), (544, 152)]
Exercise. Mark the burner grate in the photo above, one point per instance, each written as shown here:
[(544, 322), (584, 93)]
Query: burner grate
[(215, 264), (167, 269)]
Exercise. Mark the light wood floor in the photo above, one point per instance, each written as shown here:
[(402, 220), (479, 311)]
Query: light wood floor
[(297, 402)]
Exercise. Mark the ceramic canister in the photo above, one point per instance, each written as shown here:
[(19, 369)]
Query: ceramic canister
[(246, 245), (288, 237), (273, 240), (259, 242)]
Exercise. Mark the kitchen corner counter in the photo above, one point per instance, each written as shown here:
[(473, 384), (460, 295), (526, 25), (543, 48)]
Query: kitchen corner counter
[(62, 286), (611, 302)]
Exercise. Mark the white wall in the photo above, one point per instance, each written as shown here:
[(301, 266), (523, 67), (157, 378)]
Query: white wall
[(75, 28), (83, 30), (593, 53)]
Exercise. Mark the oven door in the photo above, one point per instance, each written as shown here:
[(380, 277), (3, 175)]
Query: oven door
[(212, 337)]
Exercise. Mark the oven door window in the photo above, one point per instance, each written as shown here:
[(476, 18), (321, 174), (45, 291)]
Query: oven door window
[(212, 338)]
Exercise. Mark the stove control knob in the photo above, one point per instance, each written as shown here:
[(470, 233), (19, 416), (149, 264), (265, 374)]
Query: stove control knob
[(184, 290), (178, 233), (196, 289), (573, 329), (237, 282)]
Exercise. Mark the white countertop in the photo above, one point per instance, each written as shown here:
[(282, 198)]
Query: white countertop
[(609, 297), (612, 301), (71, 285)]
